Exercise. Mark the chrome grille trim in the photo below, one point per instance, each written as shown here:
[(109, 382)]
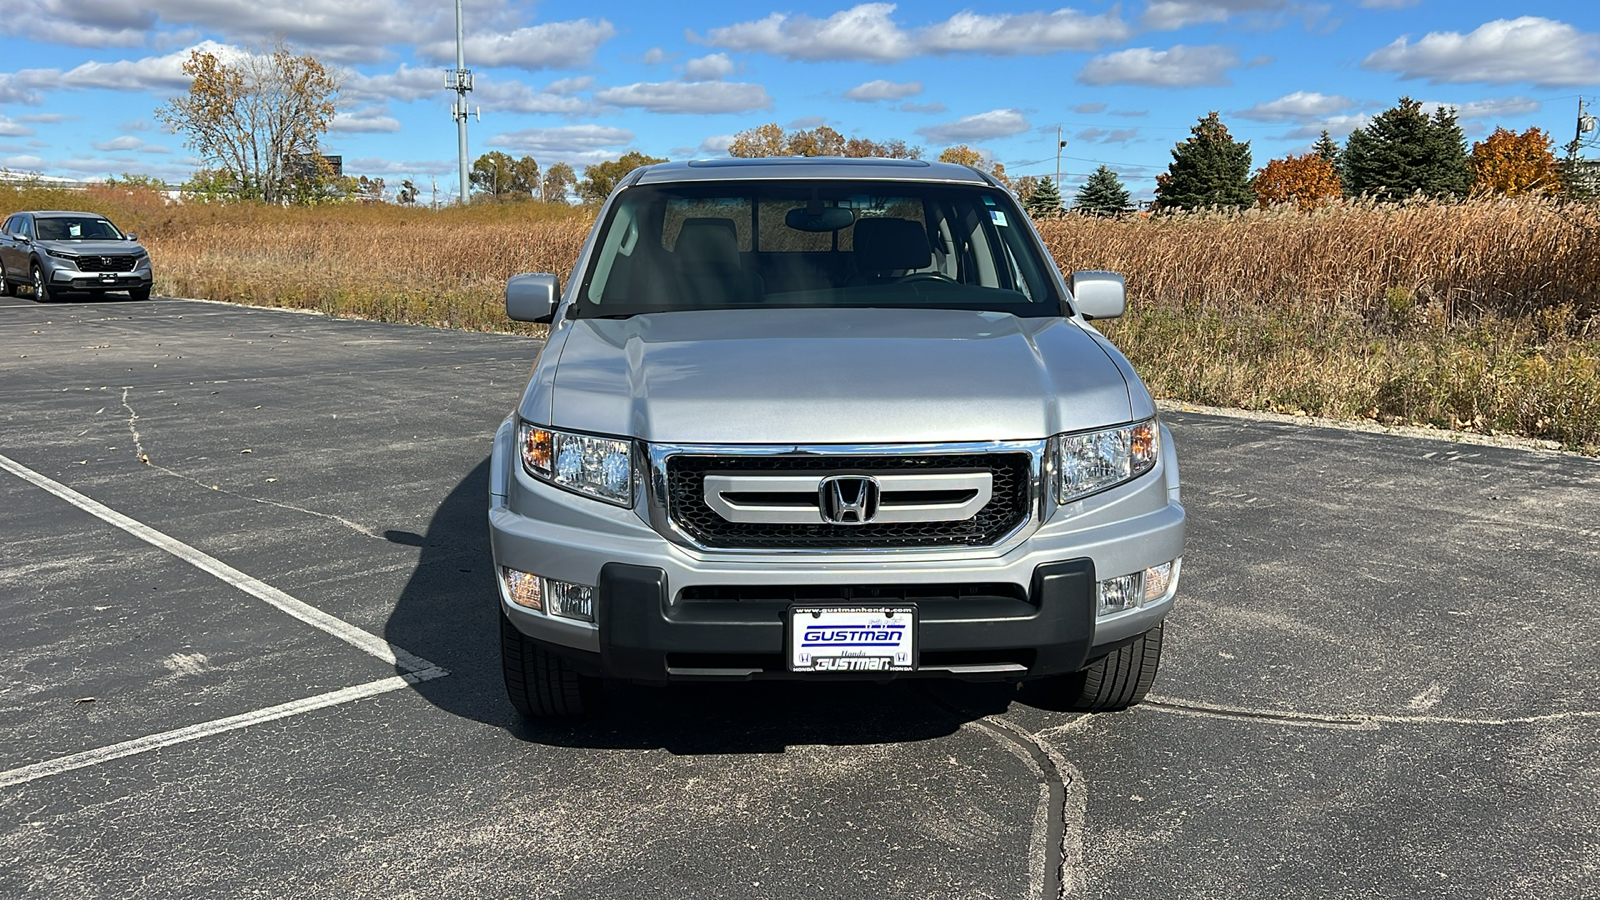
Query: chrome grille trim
[(659, 515)]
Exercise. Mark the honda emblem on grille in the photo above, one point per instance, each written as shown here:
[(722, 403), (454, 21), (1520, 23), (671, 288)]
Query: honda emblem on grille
[(847, 499)]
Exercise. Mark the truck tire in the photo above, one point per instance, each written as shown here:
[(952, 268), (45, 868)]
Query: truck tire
[(1117, 680), (540, 684), (139, 293)]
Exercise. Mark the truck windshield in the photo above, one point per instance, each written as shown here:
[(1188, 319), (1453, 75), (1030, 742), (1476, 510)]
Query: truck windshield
[(721, 245)]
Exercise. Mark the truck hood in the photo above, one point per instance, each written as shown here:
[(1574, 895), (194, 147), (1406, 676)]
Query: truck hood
[(833, 376)]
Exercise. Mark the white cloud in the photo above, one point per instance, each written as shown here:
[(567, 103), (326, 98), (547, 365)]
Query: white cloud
[(1527, 49), (516, 97), (1104, 136), (805, 123), (1300, 106), (655, 56), (402, 85), (570, 85), (553, 45), (1036, 33), (1167, 15), (930, 108), (54, 119), (715, 67), (567, 140), (1090, 109), (126, 142), (151, 73), (1179, 66), (22, 163), (1495, 108), (884, 90), (996, 123), (691, 97), (868, 32), (8, 128), (1338, 127), (861, 32), (76, 23), (12, 91), (1389, 4), (715, 145), (370, 120)]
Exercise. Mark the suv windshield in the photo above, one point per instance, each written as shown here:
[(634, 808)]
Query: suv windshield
[(73, 228), (807, 243)]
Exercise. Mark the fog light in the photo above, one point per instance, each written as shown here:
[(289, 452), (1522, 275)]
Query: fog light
[(571, 601), (523, 588), (1160, 581), (1126, 592), (1118, 594)]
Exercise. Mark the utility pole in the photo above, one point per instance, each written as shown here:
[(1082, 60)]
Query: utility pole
[(1059, 144), (459, 80)]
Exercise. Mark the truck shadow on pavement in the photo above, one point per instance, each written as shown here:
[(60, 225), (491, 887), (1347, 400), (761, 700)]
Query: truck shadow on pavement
[(447, 614)]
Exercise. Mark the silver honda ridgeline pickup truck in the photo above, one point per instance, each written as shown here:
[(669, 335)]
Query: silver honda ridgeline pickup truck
[(824, 419)]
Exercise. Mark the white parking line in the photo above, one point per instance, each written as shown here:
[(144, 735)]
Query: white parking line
[(415, 668), (145, 744), (305, 612)]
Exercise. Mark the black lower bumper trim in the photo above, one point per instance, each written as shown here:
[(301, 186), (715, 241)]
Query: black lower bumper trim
[(649, 634)]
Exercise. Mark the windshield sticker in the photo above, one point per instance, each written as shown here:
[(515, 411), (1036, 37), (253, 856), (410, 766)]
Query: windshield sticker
[(998, 217), (75, 230)]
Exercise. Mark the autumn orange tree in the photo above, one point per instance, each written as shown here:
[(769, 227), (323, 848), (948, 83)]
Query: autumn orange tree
[(772, 140), (1308, 181), (258, 117), (1511, 163), (963, 155)]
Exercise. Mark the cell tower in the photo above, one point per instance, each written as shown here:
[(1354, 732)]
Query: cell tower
[(459, 80)]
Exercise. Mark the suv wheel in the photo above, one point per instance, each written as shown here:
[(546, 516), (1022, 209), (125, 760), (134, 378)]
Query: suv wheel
[(5, 282), (139, 293), (540, 684), (1118, 680), (41, 288)]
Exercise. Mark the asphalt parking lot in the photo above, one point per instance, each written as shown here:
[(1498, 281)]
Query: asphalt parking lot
[(247, 648)]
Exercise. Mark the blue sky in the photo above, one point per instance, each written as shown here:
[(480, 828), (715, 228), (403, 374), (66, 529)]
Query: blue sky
[(80, 80)]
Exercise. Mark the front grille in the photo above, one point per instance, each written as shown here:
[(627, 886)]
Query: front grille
[(785, 594), (105, 264), (1005, 511)]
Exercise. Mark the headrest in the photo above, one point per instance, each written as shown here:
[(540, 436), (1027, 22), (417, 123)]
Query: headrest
[(883, 245), (708, 242)]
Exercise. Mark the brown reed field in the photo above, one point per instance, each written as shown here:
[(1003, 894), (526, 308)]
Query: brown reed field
[(1477, 316)]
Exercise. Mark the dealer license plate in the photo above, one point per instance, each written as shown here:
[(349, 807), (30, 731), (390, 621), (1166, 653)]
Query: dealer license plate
[(852, 639)]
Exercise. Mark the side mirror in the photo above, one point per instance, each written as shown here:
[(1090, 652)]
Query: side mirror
[(532, 297), (1099, 295), (130, 235)]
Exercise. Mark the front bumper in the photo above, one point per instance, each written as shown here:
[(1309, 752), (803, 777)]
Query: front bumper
[(667, 612)]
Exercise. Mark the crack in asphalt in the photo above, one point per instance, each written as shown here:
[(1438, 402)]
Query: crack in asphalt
[(1350, 721), (139, 451)]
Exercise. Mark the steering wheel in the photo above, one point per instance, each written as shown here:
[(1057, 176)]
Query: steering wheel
[(926, 276)]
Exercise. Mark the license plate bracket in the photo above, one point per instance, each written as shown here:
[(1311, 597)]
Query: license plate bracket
[(852, 639)]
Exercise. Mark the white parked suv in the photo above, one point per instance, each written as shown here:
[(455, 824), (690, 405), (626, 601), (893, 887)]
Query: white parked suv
[(824, 419)]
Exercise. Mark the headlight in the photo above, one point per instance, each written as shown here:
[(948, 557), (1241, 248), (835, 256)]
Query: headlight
[(593, 466), (1090, 462), (59, 254)]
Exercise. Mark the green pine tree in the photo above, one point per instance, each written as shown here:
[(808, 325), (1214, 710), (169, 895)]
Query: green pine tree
[(1326, 148), (1102, 195), (1403, 151), (1044, 201), (1208, 169)]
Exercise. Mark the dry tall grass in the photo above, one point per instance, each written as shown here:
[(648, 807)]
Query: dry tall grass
[(1477, 316)]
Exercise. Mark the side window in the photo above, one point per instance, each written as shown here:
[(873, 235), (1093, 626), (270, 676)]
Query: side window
[(25, 226), (9, 226)]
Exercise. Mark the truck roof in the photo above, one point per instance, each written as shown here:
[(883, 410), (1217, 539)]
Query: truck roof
[(808, 168)]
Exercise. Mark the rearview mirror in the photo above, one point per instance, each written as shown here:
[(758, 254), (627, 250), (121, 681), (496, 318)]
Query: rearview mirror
[(531, 297), (1099, 295), (825, 219)]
